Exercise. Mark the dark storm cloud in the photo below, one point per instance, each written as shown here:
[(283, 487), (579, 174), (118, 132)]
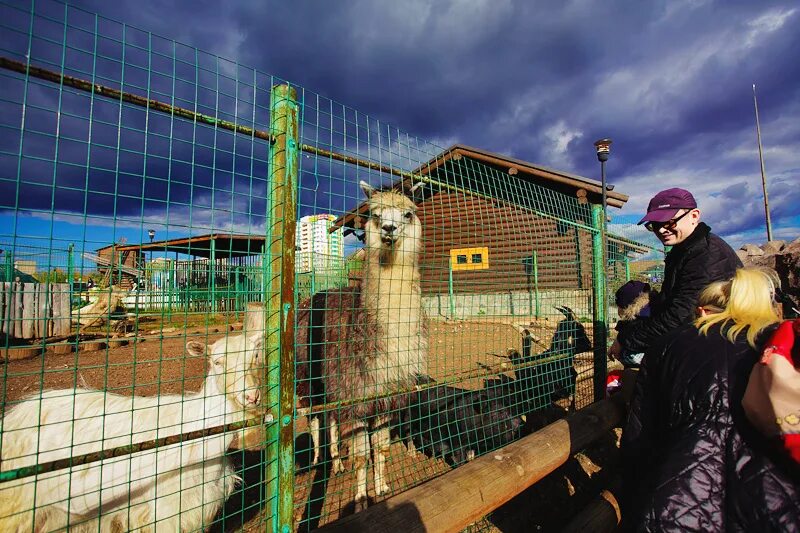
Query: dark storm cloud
[(670, 82)]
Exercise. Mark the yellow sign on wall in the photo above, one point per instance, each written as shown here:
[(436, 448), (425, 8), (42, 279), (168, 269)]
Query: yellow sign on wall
[(469, 258)]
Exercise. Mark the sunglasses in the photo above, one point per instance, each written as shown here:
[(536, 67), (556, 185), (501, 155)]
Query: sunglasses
[(669, 225)]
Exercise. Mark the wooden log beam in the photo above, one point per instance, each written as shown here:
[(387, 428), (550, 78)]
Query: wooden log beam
[(601, 515), (460, 497)]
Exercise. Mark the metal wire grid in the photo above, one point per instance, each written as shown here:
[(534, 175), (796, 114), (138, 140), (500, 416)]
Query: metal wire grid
[(107, 133), (203, 169), (539, 257)]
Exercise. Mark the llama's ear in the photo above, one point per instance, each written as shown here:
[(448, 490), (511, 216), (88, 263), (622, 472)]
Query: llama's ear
[(415, 192), (368, 189), (196, 348)]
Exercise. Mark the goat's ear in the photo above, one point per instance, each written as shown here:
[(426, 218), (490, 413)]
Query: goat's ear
[(368, 189), (257, 343), (196, 348)]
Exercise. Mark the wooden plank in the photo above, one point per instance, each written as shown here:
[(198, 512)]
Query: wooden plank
[(7, 313), (45, 310), (458, 498), (18, 309), (28, 310), (35, 312), (61, 310), (41, 316)]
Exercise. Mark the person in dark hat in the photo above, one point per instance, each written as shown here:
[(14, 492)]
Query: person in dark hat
[(697, 258), (633, 304)]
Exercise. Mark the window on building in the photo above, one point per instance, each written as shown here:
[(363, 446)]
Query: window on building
[(477, 259), (461, 259)]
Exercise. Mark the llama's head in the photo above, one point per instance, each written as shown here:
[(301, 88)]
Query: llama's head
[(236, 367), (393, 225)]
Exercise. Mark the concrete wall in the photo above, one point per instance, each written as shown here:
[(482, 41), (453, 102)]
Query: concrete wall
[(510, 303)]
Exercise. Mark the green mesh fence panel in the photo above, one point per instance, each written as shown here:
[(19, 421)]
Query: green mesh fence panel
[(368, 338), (135, 228)]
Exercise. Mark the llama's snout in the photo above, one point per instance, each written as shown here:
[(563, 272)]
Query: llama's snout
[(389, 234)]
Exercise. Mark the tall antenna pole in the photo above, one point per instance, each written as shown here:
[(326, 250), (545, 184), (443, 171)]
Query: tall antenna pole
[(763, 173)]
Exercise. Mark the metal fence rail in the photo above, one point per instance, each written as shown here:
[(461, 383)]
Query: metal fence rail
[(170, 197)]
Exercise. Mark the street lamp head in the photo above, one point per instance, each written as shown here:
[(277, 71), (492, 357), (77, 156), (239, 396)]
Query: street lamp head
[(603, 147), (151, 233)]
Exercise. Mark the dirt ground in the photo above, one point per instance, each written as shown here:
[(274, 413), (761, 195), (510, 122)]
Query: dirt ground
[(157, 363)]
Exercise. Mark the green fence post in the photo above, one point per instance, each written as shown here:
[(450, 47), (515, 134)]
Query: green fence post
[(535, 267), (627, 269), (450, 289), (9, 266), (279, 307), (599, 307)]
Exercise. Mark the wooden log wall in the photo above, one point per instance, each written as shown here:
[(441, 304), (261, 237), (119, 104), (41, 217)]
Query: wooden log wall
[(34, 310), (462, 221)]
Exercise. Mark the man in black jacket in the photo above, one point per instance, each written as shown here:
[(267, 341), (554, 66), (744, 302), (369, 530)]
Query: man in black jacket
[(697, 258)]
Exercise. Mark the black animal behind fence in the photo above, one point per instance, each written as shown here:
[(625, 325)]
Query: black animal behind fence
[(456, 424)]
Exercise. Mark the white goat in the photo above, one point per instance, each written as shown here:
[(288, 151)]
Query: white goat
[(179, 487)]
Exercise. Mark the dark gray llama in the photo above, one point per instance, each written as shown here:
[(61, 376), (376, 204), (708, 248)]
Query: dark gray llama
[(366, 341)]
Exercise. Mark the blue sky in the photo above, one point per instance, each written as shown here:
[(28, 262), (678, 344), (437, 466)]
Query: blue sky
[(669, 82)]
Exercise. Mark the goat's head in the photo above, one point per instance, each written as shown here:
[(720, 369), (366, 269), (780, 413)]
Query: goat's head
[(393, 224), (570, 335), (236, 366)]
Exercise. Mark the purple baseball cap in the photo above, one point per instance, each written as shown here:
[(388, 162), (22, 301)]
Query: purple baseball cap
[(666, 204)]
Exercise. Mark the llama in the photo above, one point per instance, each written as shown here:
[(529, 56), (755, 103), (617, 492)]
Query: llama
[(179, 487), (367, 341)]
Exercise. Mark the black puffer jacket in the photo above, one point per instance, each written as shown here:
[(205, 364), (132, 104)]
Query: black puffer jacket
[(689, 267), (692, 462)]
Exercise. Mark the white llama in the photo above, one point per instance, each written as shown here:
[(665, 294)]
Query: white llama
[(367, 341)]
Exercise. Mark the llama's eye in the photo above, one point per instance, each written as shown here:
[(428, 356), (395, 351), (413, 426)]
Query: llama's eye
[(409, 215)]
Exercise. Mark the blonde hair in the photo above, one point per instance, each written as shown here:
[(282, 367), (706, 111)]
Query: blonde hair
[(745, 304)]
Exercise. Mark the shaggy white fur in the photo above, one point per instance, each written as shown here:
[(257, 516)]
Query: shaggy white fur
[(179, 487)]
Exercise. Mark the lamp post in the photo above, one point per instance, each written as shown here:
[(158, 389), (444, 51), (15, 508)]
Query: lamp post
[(603, 148)]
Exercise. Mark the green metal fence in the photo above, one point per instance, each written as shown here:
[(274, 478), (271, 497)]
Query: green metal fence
[(159, 197)]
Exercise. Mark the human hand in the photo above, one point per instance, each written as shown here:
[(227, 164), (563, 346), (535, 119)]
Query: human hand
[(615, 351)]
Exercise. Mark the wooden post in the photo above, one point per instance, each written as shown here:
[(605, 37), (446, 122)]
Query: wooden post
[(279, 308), (28, 310), (3, 305), (458, 498), (17, 325)]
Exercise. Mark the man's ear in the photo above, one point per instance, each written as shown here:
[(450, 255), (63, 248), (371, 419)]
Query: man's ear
[(696, 215)]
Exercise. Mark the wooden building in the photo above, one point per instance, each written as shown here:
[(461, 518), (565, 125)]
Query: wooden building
[(534, 223)]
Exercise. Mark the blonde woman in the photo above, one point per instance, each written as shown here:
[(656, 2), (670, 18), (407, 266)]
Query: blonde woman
[(692, 462)]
